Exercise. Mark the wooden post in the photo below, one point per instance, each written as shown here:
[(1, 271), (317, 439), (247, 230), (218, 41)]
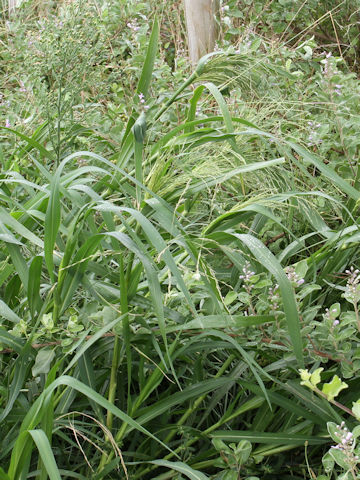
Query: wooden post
[(12, 4), (201, 27)]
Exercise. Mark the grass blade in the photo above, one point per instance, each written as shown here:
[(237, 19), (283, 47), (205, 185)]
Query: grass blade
[(8, 314), (270, 262), (34, 299), (182, 468), (36, 412), (268, 437), (222, 321), (46, 454), (21, 369), (52, 224)]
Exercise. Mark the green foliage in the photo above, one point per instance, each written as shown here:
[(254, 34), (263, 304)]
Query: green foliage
[(176, 245), (329, 21)]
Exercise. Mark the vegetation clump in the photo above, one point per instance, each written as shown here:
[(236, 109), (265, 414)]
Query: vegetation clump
[(179, 262)]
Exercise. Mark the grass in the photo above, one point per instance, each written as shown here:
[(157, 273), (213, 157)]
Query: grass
[(161, 288)]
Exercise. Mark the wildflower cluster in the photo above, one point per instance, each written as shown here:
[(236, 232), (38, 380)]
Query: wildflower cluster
[(5, 103), (274, 297), (293, 277), (249, 278), (331, 315), (142, 101), (338, 89), (345, 438), (22, 87), (180, 50), (327, 70), (58, 23), (134, 26), (247, 273), (352, 290), (345, 447), (313, 138)]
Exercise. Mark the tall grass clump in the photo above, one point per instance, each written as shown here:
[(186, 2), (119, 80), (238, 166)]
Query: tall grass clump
[(164, 280)]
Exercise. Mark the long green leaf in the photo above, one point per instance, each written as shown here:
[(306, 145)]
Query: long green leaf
[(36, 413), (46, 453), (157, 241), (270, 262), (19, 263), (32, 143), (267, 437), (21, 370), (34, 299), (210, 182), (52, 224), (179, 398), (222, 321), (340, 183), (19, 228), (10, 341), (8, 314), (254, 367), (182, 468)]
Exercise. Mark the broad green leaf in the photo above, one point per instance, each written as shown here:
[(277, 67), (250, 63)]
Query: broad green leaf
[(301, 268), (230, 475), (43, 361), (220, 445), (340, 458), (230, 297), (333, 388), (243, 451), (316, 376), (328, 463), (333, 429), (356, 409)]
